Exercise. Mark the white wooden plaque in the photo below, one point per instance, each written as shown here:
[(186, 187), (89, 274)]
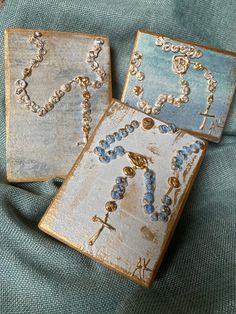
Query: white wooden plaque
[(39, 148), (134, 244)]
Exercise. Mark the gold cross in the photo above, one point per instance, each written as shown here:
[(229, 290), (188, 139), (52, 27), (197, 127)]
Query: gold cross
[(205, 115), (141, 267), (104, 225)]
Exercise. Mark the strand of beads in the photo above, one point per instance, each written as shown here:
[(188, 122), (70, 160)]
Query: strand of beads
[(138, 90), (107, 156), (177, 165), (82, 81), (190, 51)]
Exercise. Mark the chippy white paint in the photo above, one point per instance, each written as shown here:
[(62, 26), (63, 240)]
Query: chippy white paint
[(43, 147), (88, 188)]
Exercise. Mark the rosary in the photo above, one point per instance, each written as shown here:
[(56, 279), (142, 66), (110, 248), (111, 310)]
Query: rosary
[(82, 81), (140, 162), (180, 65)]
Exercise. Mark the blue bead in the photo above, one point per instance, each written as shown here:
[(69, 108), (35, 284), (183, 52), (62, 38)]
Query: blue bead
[(119, 150), (112, 154), (183, 153), (149, 197), (154, 217), (104, 144), (119, 188), (123, 132), (122, 180), (134, 124), (163, 217), (149, 208), (151, 180), (115, 195), (99, 151), (110, 139), (166, 200), (200, 144), (104, 159), (173, 127), (166, 209), (150, 187), (148, 173), (118, 137), (188, 150), (178, 161), (129, 128), (195, 148), (164, 128)]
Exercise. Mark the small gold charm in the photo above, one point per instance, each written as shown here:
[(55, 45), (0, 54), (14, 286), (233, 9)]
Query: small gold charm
[(174, 182), (129, 172), (139, 161), (111, 206), (148, 123), (137, 90)]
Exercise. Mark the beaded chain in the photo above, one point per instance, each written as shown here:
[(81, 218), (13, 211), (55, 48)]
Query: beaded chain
[(82, 81), (180, 66), (106, 155)]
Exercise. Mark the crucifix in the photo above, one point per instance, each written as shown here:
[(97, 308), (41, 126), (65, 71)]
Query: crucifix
[(104, 224), (206, 115)]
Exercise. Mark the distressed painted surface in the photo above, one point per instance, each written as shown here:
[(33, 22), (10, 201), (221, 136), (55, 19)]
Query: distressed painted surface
[(43, 147), (160, 79), (88, 187)]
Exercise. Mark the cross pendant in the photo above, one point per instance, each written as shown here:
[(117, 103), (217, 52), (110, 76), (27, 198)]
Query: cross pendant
[(104, 225)]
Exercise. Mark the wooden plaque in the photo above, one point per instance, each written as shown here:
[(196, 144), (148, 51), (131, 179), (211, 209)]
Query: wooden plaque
[(181, 82), (105, 209), (60, 70)]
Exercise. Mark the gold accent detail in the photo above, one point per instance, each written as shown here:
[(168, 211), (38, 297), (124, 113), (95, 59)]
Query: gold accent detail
[(104, 225), (137, 90), (27, 72), (210, 99), (86, 95), (148, 123), (180, 64), (174, 182), (129, 172), (111, 206), (198, 66), (139, 161), (141, 267)]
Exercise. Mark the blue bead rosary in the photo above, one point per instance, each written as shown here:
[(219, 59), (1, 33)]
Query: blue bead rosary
[(139, 161)]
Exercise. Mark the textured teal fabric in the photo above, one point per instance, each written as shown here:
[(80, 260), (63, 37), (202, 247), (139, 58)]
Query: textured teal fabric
[(41, 275)]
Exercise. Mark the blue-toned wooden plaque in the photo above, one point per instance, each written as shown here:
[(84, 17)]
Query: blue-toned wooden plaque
[(181, 82)]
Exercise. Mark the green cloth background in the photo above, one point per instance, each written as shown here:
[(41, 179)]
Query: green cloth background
[(41, 275)]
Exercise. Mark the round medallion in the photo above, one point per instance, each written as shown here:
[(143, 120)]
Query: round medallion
[(129, 172), (148, 123), (111, 206)]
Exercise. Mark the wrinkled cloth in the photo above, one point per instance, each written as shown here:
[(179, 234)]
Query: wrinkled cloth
[(41, 275)]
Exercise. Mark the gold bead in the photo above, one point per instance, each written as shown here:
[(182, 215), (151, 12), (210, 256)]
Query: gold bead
[(129, 172), (85, 81), (111, 206), (174, 182), (137, 90), (210, 99), (86, 94), (148, 123), (27, 72), (198, 66)]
